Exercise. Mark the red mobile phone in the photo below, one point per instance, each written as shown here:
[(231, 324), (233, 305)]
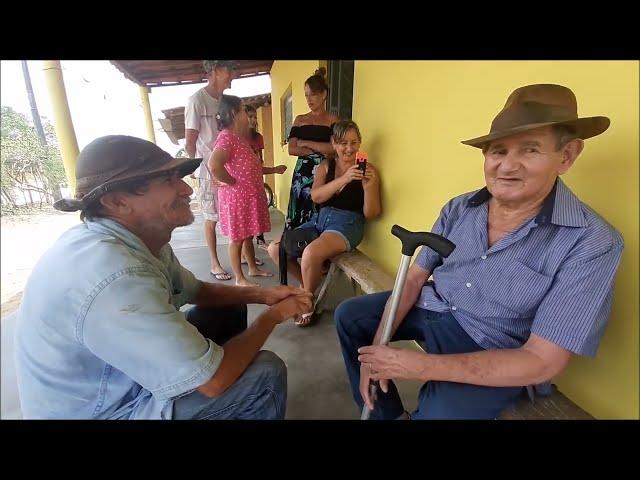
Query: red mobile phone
[(361, 161)]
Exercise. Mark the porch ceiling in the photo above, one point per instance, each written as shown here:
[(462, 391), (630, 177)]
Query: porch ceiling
[(158, 73), (173, 123)]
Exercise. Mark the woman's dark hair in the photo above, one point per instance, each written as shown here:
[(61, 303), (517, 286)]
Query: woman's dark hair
[(250, 108), (317, 83), (229, 106)]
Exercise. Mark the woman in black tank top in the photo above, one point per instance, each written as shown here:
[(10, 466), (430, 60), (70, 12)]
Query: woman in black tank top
[(347, 197)]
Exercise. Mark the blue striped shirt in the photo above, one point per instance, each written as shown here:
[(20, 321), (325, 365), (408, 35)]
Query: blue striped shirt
[(552, 276)]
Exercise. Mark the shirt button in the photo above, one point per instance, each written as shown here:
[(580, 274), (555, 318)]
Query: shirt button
[(468, 285), (453, 308), (484, 257)]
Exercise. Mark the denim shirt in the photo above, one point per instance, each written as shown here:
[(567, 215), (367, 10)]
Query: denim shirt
[(553, 276), (100, 334)]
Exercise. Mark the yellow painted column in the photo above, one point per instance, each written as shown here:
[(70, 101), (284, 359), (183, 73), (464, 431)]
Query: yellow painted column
[(62, 119), (144, 95)]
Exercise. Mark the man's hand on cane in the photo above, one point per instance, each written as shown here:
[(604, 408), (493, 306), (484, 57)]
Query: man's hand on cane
[(384, 363), (365, 381)]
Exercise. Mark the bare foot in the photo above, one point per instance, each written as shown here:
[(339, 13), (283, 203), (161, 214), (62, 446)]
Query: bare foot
[(258, 261), (245, 283), (260, 273)]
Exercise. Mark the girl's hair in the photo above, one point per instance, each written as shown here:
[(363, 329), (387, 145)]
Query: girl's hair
[(251, 108), (341, 127), (227, 109), (317, 82)]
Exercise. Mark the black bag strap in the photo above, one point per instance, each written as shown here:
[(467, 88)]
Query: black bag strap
[(282, 261)]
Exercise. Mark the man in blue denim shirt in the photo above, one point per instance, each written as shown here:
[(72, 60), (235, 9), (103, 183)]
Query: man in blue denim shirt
[(100, 333), (529, 283)]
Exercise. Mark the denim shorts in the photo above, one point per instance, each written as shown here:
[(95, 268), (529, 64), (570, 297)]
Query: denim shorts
[(349, 225)]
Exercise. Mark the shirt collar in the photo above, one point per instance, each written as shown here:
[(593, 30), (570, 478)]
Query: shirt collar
[(109, 226), (560, 207)]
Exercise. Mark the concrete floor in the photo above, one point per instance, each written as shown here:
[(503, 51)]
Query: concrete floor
[(317, 382)]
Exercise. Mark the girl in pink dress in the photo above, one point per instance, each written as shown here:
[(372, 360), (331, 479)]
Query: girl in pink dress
[(242, 206)]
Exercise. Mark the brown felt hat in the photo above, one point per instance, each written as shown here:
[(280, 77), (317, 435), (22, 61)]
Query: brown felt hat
[(536, 106), (110, 162)]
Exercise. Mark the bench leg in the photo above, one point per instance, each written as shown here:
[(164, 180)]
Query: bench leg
[(318, 307), (356, 287)]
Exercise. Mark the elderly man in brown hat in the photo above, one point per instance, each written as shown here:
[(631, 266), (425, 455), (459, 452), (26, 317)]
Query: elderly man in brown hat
[(100, 333), (529, 283)]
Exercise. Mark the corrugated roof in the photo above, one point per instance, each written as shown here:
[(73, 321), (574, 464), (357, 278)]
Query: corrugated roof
[(158, 73), (173, 123)]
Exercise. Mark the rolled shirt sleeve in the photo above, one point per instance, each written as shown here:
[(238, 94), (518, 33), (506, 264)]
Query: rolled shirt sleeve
[(575, 310), (191, 286), (429, 259), (132, 325), (186, 285), (192, 114)]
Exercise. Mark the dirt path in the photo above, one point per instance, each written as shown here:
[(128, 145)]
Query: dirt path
[(23, 240)]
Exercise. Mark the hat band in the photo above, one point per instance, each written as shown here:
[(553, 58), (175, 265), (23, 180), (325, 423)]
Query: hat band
[(87, 183), (531, 113)]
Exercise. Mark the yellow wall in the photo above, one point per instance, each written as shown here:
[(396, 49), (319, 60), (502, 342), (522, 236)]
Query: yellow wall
[(264, 127), (285, 74), (413, 114)]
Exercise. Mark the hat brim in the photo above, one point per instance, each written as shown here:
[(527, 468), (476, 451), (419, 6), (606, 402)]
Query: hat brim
[(585, 128), (183, 166)]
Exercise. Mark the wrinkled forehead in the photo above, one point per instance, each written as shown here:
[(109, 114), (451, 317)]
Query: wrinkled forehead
[(539, 136)]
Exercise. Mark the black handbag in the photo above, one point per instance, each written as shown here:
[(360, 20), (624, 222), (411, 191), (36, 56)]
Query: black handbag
[(292, 244), (296, 240)]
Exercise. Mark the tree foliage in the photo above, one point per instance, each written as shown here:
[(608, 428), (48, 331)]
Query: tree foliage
[(29, 168)]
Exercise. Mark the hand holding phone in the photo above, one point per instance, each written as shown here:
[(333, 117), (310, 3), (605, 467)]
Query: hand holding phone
[(361, 161)]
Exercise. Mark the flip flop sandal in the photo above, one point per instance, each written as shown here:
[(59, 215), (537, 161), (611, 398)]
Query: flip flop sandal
[(220, 276), (312, 319)]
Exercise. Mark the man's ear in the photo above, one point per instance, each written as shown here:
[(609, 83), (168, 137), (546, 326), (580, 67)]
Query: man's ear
[(116, 202), (569, 153)]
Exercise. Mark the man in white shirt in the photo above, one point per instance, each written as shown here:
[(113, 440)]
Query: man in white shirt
[(201, 131)]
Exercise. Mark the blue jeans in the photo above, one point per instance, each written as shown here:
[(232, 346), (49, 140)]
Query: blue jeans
[(357, 320), (260, 393), (347, 224)]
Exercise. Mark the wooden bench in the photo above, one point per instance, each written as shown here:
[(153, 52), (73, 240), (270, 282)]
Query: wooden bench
[(367, 277)]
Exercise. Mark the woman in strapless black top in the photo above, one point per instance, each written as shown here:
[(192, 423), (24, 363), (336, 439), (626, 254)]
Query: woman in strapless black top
[(301, 207), (310, 140)]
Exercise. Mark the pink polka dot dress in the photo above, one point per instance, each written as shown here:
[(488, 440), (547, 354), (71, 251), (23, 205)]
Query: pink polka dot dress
[(242, 206)]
